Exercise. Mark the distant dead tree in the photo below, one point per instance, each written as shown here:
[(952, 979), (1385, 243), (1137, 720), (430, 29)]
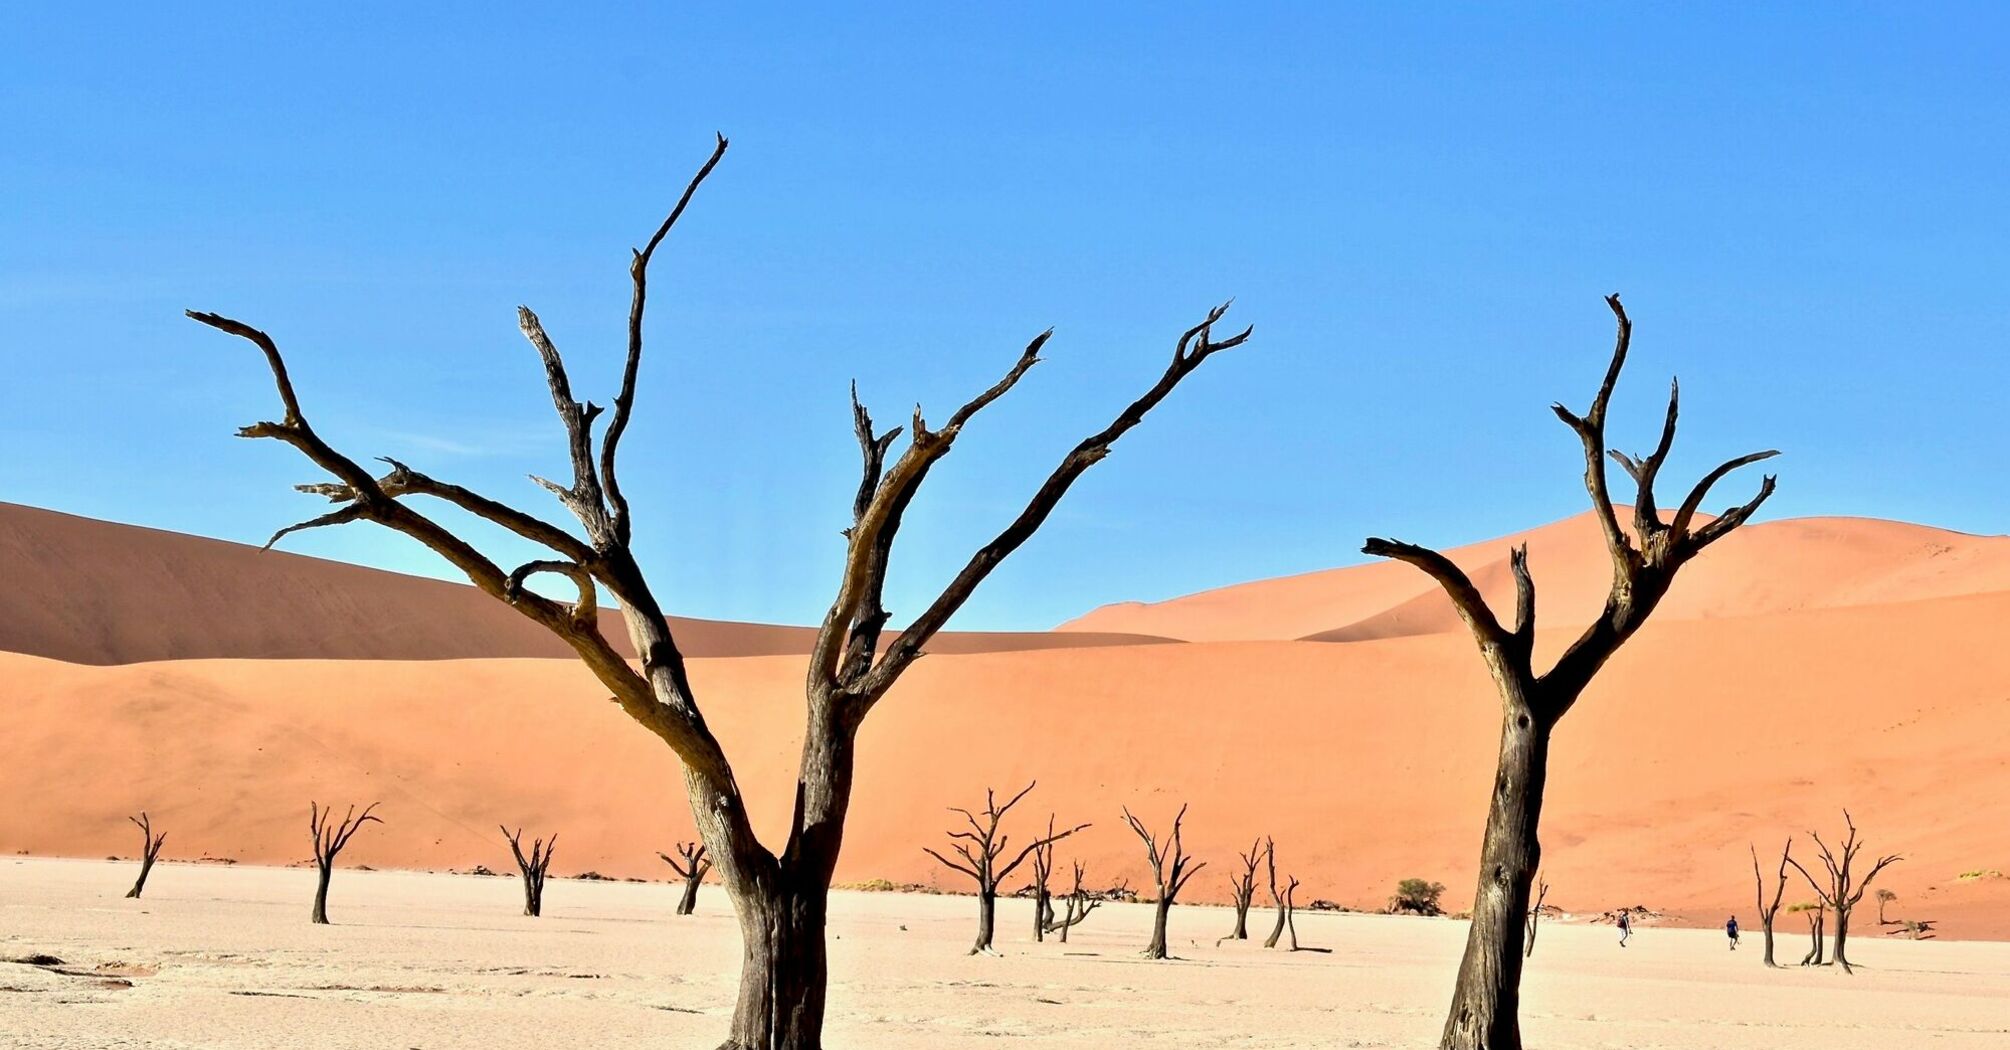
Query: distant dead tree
[(1043, 874), (1170, 872), (781, 897), (1276, 895), (1079, 903), (1288, 913), (1843, 887), (1884, 897), (1767, 911), (532, 867), (1535, 916), (1817, 912), (692, 869), (150, 849), (1485, 1007), (981, 848), (329, 840), (1242, 888)]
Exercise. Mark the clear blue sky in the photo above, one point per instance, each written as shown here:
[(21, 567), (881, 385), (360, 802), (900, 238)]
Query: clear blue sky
[(1805, 209)]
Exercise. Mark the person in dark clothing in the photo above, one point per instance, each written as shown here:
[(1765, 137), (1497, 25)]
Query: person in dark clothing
[(1625, 927), (1731, 931)]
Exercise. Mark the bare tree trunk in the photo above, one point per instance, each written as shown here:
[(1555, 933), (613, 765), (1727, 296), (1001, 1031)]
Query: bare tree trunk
[(987, 922), (783, 972), (326, 871), (1157, 948), (1768, 911), (1486, 1001), (1535, 917), (531, 867), (693, 869), (150, 848), (688, 902), (1814, 955)]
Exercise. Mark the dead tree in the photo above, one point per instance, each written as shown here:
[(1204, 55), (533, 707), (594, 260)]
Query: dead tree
[(1768, 911), (1170, 872), (981, 848), (1043, 873), (1535, 917), (1242, 888), (532, 867), (329, 840), (1289, 912), (150, 849), (1486, 1000), (1080, 902), (1817, 913), (1843, 887), (781, 896), (1276, 895), (692, 870)]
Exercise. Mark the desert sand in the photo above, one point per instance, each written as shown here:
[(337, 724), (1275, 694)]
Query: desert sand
[(224, 958), (1868, 680)]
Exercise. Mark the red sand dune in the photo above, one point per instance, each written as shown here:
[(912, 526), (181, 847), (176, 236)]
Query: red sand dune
[(1861, 677), (1768, 567), (96, 592)]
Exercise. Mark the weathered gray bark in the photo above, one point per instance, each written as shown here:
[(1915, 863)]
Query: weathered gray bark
[(779, 896), (1486, 998), (1276, 895), (150, 849), (329, 841)]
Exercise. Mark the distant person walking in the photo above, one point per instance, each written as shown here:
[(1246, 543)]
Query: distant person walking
[(1731, 931), (1625, 927)]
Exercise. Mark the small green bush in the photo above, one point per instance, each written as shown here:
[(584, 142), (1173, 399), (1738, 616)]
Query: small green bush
[(1417, 897)]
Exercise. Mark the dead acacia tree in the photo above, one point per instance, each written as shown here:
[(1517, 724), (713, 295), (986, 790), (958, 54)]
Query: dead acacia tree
[(1080, 902), (150, 849), (982, 847), (1768, 911), (780, 896), (532, 867), (692, 869), (1043, 874), (1289, 909), (1817, 912), (1276, 895), (1535, 916), (1485, 1006), (1170, 872), (1242, 889), (330, 839), (1843, 886)]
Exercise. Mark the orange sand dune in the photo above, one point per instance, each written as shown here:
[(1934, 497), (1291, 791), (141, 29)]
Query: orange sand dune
[(96, 592), (1784, 566), (1368, 761)]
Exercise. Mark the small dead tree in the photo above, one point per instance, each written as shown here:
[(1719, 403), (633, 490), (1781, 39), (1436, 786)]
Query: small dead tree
[(781, 896), (1170, 872), (1768, 911), (1486, 1001), (1844, 886), (532, 867), (692, 869), (1276, 895), (1884, 897), (1288, 911), (1043, 874), (981, 848), (1817, 913), (1242, 888), (1079, 903), (1535, 916), (330, 839), (150, 849)]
